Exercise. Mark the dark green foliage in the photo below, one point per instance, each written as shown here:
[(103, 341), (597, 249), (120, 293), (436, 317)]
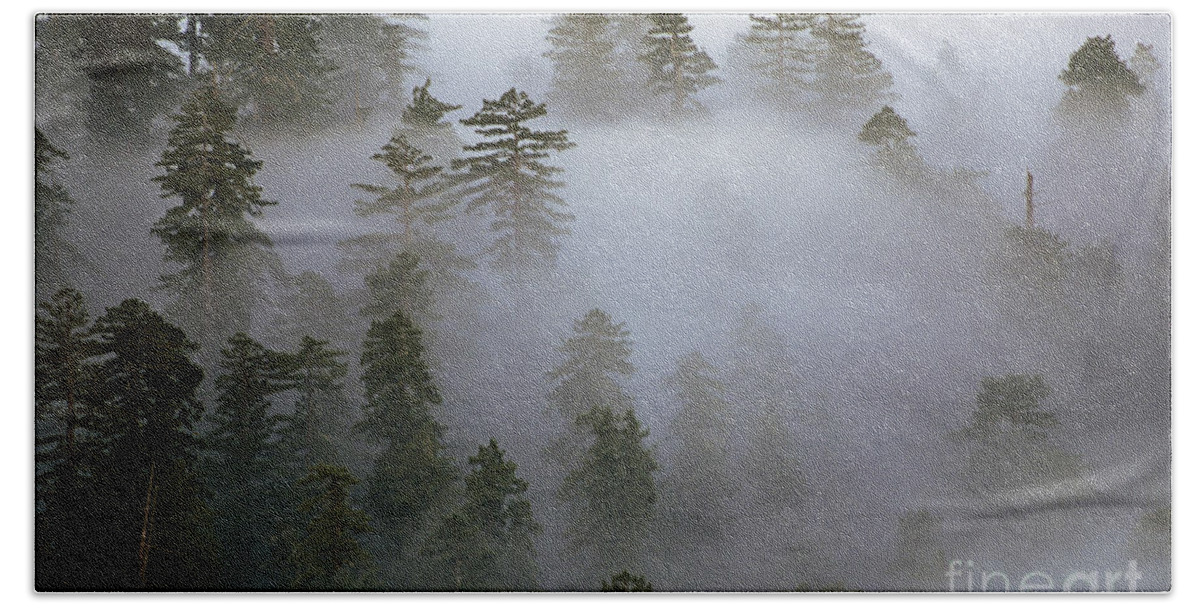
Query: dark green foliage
[(886, 130), (920, 553), (310, 434), (781, 56), (1012, 403), (145, 484), (373, 55), (678, 68), (626, 582), (53, 251), (415, 198), (422, 124), (244, 472), (272, 66), (132, 78), (325, 552), (848, 80), (508, 176), (588, 81), (1099, 84), (412, 475), (486, 544), (425, 110), (612, 491), (401, 285), (210, 233), (597, 356)]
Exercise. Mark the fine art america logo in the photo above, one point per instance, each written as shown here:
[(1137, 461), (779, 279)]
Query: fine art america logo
[(966, 577)]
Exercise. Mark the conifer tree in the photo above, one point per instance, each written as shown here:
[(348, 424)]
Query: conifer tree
[(848, 80), (486, 544), (310, 434), (678, 68), (308, 305), (372, 55), (597, 357), (415, 197), (401, 285), (53, 251), (1099, 83), (412, 474), (889, 134), (245, 473), (508, 175), (612, 491), (422, 124), (781, 56), (588, 81), (210, 233), (150, 526), (65, 449), (272, 66), (325, 548)]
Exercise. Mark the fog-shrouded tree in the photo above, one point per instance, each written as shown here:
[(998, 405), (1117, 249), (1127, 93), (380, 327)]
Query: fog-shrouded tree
[(320, 418), (486, 544), (412, 475), (589, 80), (596, 360), (224, 258), (307, 305), (373, 56), (920, 558), (699, 485), (150, 527), (848, 80), (626, 582), (889, 134), (423, 124), (400, 285), (1011, 449), (1144, 63), (611, 492), (1099, 83), (65, 450), (273, 67), (245, 472), (679, 69), (54, 252), (326, 549), (507, 174), (781, 57)]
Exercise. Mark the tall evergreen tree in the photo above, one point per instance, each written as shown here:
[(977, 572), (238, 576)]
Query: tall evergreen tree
[(412, 475), (678, 68), (210, 233), (1099, 83), (311, 433), (589, 81), (486, 544), (325, 548), (612, 491), (272, 66), (373, 55), (507, 175), (848, 80), (781, 57), (65, 449), (53, 251), (150, 525), (245, 473)]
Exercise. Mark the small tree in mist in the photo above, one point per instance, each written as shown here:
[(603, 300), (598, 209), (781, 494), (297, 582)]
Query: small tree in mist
[(1009, 438), (244, 471), (412, 475), (920, 558), (1145, 64), (848, 80), (1099, 83), (507, 175), (224, 256), (626, 582), (612, 490), (272, 66), (325, 552), (589, 81), (422, 124), (415, 200), (372, 55), (889, 134), (486, 544), (53, 250), (678, 68), (781, 56), (597, 357)]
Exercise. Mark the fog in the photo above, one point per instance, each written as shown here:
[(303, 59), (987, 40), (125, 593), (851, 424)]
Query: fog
[(707, 233)]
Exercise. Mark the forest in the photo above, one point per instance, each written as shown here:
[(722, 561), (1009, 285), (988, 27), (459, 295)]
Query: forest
[(602, 302)]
